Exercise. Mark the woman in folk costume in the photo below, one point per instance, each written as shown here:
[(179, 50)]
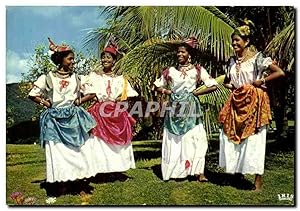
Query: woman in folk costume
[(184, 142), (113, 134), (247, 113), (64, 125)]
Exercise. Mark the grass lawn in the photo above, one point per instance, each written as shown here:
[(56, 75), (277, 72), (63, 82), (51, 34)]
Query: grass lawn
[(25, 173)]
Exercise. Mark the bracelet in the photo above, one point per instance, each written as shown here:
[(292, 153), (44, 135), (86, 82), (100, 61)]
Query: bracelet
[(263, 80), (79, 100), (42, 101)]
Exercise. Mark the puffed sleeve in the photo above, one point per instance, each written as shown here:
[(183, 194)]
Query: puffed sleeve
[(87, 83), (262, 64), (130, 91), (39, 86), (162, 80), (207, 79)]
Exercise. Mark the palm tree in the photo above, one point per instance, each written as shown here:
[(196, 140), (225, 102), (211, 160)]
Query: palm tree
[(132, 26), (282, 47), (149, 36)]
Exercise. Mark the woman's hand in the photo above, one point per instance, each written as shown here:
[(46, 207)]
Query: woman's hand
[(229, 86), (205, 91), (167, 92), (48, 103), (258, 83), (195, 92), (77, 102), (163, 90), (45, 103)]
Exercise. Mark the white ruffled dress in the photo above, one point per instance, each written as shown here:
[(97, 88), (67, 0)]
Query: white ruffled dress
[(249, 156), (109, 157), (184, 155), (64, 162)]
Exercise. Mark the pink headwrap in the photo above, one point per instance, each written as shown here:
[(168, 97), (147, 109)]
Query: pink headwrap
[(111, 46), (111, 49), (192, 42)]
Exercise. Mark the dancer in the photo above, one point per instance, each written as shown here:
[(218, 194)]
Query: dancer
[(113, 134), (246, 113), (184, 143), (64, 125)]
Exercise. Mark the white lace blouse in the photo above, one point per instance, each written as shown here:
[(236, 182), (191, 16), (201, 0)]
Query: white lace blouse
[(107, 88), (64, 90), (188, 82), (247, 73)]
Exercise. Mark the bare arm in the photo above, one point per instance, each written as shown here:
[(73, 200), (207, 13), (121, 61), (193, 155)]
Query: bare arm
[(227, 83), (163, 90), (41, 101), (276, 72), (205, 91), (84, 99)]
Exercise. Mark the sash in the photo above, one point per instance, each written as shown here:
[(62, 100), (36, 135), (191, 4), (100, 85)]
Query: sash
[(185, 113), (68, 125), (246, 110), (113, 127)]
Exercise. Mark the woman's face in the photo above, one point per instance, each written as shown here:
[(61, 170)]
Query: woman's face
[(238, 43), (182, 55), (107, 60), (68, 62)]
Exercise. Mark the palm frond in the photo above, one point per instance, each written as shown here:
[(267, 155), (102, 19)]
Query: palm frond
[(212, 104), (134, 25), (149, 37), (212, 31), (218, 97), (282, 46)]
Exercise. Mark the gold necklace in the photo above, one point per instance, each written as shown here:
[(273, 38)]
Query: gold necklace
[(239, 61), (62, 72), (111, 74), (184, 68), (62, 75)]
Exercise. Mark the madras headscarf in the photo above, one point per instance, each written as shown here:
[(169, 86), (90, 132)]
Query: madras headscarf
[(56, 48), (245, 29), (192, 42), (111, 47)]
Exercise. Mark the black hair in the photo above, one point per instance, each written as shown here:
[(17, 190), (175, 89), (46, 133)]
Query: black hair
[(57, 57), (189, 49), (112, 55)]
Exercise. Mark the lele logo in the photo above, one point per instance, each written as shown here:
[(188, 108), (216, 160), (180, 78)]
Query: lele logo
[(285, 197)]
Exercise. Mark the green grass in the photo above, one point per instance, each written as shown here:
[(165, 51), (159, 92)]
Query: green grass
[(26, 171)]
